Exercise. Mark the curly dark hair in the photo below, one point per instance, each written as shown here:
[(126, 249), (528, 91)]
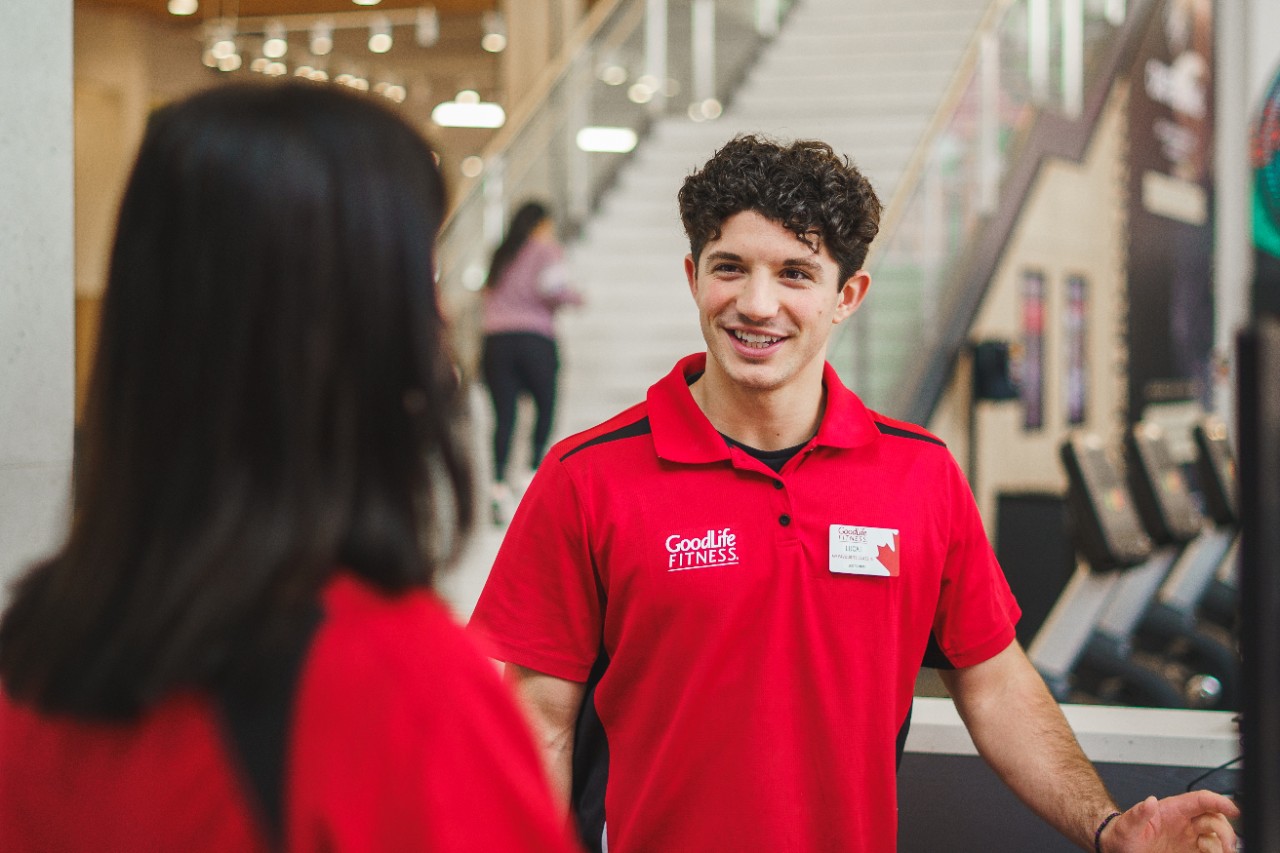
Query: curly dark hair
[(804, 186)]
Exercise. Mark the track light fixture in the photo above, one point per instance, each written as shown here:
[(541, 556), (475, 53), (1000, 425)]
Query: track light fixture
[(321, 37), (495, 32), (380, 35), (427, 26), (275, 43)]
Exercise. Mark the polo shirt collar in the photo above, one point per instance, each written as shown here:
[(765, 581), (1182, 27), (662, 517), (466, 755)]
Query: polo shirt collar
[(682, 433)]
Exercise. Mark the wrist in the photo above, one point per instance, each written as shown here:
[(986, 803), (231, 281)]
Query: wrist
[(1102, 827)]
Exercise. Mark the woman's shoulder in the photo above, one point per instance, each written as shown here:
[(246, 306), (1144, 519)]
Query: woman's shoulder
[(390, 635)]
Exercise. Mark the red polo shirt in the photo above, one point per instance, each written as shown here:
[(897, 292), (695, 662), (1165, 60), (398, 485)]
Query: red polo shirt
[(402, 738), (755, 637)]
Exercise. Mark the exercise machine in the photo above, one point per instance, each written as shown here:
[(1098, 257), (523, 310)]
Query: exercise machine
[(1086, 650)]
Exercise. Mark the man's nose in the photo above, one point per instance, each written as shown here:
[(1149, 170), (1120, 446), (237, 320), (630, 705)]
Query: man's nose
[(758, 299)]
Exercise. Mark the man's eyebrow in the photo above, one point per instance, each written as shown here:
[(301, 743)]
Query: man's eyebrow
[(802, 263)]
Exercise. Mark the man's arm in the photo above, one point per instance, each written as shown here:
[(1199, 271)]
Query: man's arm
[(1020, 731), (551, 705)]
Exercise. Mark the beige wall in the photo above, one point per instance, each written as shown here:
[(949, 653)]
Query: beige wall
[(1074, 224)]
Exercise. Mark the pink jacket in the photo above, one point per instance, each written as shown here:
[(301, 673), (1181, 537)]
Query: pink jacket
[(530, 291)]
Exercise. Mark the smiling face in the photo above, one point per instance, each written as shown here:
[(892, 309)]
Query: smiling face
[(768, 304)]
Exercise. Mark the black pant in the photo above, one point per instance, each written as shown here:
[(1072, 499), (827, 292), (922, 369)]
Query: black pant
[(516, 362)]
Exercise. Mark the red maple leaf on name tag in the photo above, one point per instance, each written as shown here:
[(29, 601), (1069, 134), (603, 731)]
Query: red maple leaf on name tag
[(887, 556)]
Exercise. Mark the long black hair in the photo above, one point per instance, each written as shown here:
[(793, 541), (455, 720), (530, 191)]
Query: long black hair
[(272, 398), (527, 217)]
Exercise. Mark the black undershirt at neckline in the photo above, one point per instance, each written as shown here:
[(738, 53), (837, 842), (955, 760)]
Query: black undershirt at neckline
[(775, 459)]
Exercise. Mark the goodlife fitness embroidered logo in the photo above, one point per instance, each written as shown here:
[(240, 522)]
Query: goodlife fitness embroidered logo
[(711, 550)]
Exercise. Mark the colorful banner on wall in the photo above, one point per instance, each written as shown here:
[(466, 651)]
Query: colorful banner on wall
[(1031, 376), (1265, 159), (1170, 247)]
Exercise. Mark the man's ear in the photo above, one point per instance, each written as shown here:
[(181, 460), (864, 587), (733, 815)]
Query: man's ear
[(851, 294), (691, 273)]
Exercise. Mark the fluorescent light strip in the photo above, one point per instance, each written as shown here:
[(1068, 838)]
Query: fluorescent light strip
[(454, 114), (612, 140)]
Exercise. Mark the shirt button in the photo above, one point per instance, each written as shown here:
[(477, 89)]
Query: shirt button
[(777, 484), (784, 520)]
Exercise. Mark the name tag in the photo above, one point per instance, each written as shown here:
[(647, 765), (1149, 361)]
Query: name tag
[(857, 550)]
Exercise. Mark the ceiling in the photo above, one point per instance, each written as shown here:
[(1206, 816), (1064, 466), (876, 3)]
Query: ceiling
[(271, 8)]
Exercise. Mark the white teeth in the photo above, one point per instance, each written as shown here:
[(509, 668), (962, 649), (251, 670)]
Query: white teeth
[(755, 340)]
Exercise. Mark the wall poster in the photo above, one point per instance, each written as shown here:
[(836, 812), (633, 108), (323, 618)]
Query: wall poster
[(1031, 372), (1075, 342), (1170, 234)]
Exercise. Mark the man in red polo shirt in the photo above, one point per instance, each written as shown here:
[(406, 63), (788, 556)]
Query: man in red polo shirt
[(715, 604)]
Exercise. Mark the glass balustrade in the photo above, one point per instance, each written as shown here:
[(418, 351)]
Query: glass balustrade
[(1028, 57)]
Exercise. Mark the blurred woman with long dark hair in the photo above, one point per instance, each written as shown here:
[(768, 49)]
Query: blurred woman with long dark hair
[(528, 283), (237, 647)]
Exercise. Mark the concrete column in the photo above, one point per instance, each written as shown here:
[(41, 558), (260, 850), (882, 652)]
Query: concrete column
[(530, 43), (536, 32), (36, 279)]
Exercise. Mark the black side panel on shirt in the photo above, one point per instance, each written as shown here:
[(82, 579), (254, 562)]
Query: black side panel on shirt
[(902, 734), (934, 656), (591, 763), (257, 722), (640, 427)]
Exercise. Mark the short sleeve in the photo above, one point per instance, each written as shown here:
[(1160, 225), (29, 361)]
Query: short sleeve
[(977, 613), (542, 606)]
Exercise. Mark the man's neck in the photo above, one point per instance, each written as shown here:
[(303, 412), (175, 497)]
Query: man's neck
[(766, 420)]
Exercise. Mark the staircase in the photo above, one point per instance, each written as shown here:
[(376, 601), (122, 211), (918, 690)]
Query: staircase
[(863, 75)]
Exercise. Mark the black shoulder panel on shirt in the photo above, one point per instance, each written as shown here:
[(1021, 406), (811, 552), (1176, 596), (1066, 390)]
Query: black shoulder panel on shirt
[(640, 427), (886, 429)]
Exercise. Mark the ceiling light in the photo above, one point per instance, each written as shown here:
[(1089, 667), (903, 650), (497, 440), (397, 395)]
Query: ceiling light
[(467, 110), (640, 93), (613, 75), (222, 42), (472, 166), (427, 26), (276, 41), (229, 63), (366, 2), (380, 35), (615, 140), (183, 7), (495, 32), (321, 38), (391, 91)]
